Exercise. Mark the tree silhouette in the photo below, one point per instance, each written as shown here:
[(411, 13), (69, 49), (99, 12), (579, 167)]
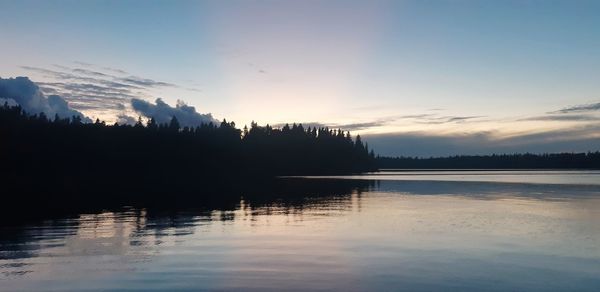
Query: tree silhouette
[(174, 124)]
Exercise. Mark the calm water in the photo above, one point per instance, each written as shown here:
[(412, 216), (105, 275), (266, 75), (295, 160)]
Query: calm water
[(403, 231)]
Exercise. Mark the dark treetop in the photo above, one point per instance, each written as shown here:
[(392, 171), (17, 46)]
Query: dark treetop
[(44, 156), (590, 160)]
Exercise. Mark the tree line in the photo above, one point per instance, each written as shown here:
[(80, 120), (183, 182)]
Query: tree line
[(34, 143), (589, 160)]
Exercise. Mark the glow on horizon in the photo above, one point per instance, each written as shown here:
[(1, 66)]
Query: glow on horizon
[(463, 67)]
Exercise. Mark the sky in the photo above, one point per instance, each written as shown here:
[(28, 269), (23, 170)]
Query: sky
[(424, 78)]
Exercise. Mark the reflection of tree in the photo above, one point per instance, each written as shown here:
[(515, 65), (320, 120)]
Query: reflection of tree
[(134, 233), (67, 164)]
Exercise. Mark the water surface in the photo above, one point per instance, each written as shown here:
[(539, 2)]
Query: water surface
[(455, 232)]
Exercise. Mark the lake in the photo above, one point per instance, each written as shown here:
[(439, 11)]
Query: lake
[(391, 230)]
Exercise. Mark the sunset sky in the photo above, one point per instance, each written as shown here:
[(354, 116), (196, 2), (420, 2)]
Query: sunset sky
[(413, 77)]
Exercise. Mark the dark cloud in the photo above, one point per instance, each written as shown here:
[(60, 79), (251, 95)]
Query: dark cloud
[(419, 116), (579, 139), (105, 68), (579, 108), (359, 126), (460, 119), (29, 96), (566, 118), (90, 72), (163, 113), (435, 120), (114, 70), (144, 82), (83, 64), (344, 127)]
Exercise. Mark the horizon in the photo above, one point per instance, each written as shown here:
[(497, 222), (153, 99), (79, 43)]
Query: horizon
[(412, 78)]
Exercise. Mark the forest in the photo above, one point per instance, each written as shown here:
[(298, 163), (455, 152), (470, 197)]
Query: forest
[(48, 158), (39, 153), (590, 160)]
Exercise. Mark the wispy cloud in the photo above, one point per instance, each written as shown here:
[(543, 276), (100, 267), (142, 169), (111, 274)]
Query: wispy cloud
[(579, 108), (436, 119), (425, 144), (83, 64), (95, 88), (446, 119), (90, 73), (65, 76), (145, 82), (566, 118), (115, 70), (345, 127), (417, 118)]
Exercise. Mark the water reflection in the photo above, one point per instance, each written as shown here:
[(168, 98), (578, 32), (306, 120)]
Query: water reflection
[(111, 232), (322, 234)]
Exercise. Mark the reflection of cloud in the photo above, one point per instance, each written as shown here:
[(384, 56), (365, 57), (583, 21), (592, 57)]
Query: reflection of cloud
[(486, 189)]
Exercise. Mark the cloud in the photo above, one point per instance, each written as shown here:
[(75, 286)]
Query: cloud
[(305, 125), (144, 82), (123, 119), (579, 108), (119, 71), (417, 118), (424, 144), (566, 118), (97, 90), (83, 64), (344, 127), (95, 77), (359, 126), (8, 101), (89, 72), (436, 120), (105, 68), (29, 96), (163, 113)]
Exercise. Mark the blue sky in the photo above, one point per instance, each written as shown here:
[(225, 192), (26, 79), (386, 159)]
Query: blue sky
[(434, 73)]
